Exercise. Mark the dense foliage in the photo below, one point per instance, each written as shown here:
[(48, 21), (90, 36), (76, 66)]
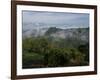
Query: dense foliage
[(46, 52)]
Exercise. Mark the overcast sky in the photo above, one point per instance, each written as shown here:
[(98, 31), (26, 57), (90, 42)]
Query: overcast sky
[(55, 18)]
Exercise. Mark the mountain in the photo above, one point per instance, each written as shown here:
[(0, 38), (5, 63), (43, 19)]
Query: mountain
[(79, 33), (52, 30), (71, 38), (59, 32)]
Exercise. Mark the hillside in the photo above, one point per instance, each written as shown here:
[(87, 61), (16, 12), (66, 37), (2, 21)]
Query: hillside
[(80, 33), (55, 47), (57, 32)]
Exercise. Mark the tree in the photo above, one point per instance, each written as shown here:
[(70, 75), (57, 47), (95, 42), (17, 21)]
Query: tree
[(85, 50), (56, 57)]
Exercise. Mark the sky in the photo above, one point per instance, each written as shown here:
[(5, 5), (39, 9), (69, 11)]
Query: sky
[(59, 18)]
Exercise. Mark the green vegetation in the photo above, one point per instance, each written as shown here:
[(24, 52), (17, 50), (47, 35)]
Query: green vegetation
[(44, 51), (52, 30)]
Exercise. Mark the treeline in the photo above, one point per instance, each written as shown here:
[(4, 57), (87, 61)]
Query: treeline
[(46, 52)]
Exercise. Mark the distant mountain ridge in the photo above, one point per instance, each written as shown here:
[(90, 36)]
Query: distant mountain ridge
[(80, 33)]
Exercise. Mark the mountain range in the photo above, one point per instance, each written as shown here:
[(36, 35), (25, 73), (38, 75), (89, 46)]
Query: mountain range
[(56, 32)]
